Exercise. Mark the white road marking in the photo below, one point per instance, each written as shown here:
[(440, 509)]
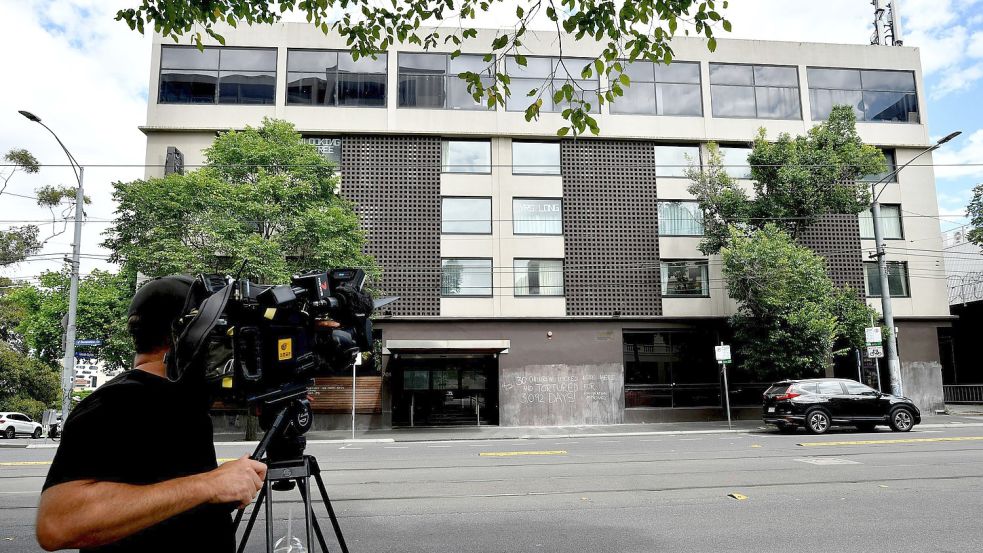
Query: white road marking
[(346, 448), (438, 446), (828, 461)]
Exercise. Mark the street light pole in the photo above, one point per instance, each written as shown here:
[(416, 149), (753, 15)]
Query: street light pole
[(68, 369), (893, 362)]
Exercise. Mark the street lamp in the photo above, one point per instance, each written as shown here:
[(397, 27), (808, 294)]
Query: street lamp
[(894, 365), (68, 371)]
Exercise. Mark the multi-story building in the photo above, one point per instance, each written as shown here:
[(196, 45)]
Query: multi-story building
[(558, 282)]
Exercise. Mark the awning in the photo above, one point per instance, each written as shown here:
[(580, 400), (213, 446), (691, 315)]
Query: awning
[(489, 346)]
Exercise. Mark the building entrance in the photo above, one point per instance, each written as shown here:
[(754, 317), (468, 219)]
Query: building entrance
[(444, 390)]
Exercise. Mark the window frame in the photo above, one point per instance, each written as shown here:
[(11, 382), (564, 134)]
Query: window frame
[(754, 86), (657, 145), (907, 279), (491, 216), (900, 223), (698, 261), (562, 276), (444, 142), (447, 75), (540, 198), (491, 272), (218, 70), (550, 80), (655, 82), (861, 90), (287, 72), (559, 164), (659, 203)]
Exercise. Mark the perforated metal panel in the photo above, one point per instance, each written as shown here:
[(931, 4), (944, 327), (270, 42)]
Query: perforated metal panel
[(394, 182), (837, 239), (610, 227)]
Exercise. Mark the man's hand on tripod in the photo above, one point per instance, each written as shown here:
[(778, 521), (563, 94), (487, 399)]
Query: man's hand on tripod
[(236, 482)]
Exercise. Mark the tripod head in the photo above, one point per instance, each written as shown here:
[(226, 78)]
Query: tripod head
[(286, 416)]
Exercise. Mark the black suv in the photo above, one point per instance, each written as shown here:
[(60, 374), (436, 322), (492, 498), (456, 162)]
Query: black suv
[(819, 403)]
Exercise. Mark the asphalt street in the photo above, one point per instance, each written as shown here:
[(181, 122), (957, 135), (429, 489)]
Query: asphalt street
[(748, 491)]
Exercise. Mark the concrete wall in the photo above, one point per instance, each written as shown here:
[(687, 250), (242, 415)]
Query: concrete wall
[(921, 370)]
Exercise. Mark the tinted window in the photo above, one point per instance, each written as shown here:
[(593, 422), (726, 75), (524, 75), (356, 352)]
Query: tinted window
[(537, 216), (466, 156), (830, 388), (465, 277), (889, 174), (465, 216), (335, 78), (755, 91), (535, 158), (685, 278), (673, 161), (433, 80), (661, 89), (538, 277), (897, 279), (805, 388), (223, 75), (546, 75), (874, 94), (856, 388)]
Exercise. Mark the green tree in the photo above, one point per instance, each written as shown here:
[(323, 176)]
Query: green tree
[(264, 197), (27, 385), (35, 313), (975, 213), (796, 180), (790, 313), (621, 31)]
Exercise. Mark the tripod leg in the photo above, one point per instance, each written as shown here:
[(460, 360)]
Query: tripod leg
[(316, 472), (269, 516), (252, 520), (317, 526)]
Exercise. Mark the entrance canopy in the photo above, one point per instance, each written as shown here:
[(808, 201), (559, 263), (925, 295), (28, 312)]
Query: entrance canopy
[(450, 346)]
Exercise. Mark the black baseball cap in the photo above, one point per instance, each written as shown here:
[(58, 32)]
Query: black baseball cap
[(161, 298)]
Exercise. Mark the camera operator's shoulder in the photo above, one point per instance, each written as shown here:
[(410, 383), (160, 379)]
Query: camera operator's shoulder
[(121, 394)]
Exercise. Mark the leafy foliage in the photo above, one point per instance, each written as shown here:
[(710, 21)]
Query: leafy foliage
[(27, 385), (791, 314), (975, 212), (795, 180), (621, 30), (34, 316), (264, 197)]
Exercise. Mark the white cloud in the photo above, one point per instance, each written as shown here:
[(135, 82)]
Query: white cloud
[(975, 48), (957, 79), (961, 159)]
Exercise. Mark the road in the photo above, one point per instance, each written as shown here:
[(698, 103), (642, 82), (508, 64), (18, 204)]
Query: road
[(852, 492)]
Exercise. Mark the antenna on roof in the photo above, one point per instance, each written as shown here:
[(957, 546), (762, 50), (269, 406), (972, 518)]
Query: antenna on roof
[(887, 23)]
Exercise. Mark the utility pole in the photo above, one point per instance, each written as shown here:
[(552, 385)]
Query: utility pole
[(68, 369), (891, 349)]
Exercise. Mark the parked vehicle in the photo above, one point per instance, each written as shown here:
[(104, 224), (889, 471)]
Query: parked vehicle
[(819, 403), (18, 424)]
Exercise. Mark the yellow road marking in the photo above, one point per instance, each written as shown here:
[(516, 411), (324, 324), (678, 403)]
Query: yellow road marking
[(737, 496), (897, 441), (23, 463), (514, 453)]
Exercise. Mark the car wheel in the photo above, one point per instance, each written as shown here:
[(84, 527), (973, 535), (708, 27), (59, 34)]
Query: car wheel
[(817, 421), (37, 433), (10, 434), (902, 420), (866, 427)]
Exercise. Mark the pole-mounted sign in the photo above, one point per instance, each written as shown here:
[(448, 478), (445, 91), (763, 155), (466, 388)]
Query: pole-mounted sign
[(722, 354)]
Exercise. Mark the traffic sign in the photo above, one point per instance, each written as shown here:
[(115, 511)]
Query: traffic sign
[(94, 342), (722, 353), (875, 352), (873, 335), (84, 355)]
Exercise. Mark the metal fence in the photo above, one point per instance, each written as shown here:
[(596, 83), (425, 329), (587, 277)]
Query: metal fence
[(963, 393)]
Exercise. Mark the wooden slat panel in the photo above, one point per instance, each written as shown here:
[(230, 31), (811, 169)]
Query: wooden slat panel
[(334, 394)]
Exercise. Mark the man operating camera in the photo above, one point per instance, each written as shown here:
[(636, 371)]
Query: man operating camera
[(136, 467)]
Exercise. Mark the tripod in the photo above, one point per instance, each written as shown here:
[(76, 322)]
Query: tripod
[(288, 466)]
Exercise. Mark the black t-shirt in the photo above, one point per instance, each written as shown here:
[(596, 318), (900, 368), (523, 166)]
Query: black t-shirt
[(142, 429)]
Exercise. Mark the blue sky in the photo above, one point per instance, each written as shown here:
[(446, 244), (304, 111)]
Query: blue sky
[(86, 75)]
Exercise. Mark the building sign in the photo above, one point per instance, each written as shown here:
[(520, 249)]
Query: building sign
[(328, 146)]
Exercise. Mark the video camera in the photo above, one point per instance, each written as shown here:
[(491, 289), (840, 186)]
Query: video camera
[(263, 344)]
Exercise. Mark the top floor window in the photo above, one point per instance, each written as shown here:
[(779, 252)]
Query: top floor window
[(217, 75), (546, 76), (433, 80), (335, 78), (755, 91), (658, 89), (875, 95)]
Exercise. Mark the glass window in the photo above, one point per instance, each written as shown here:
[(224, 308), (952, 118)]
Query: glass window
[(897, 279), (679, 218), (857, 389), (545, 75), (538, 277), (874, 94), (535, 158), (465, 216), (661, 89), (335, 78), (685, 278), (890, 222), (433, 80), (465, 277), (755, 91), (673, 161), (466, 156), (217, 75), (734, 160), (830, 388), (888, 174), (537, 216)]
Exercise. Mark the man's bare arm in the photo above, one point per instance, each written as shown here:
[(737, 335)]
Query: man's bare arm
[(89, 513)]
